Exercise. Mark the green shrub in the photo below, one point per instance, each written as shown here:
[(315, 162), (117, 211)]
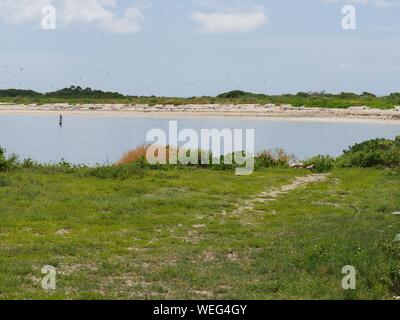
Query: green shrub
[(264, 160), (377, 153), (29, 163), (7, 163), (273, 158), (234, 94), (320, 163)]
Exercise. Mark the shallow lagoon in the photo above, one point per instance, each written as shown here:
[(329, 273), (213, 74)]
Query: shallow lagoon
[(103, 139)]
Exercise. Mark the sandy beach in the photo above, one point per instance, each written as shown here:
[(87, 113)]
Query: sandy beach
[(267, 111)]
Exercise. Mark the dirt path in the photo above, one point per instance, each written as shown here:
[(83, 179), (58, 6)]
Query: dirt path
[(273, 193)]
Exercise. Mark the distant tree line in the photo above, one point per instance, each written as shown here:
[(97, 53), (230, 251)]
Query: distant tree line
[(71, 92), (77, 94), (13, 93)]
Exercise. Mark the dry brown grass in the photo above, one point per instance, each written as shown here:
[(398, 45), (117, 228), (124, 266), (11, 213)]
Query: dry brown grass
[(134, 155), (140, 153)]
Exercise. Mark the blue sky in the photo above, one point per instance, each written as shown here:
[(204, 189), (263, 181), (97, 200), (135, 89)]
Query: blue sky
[(201, 47)]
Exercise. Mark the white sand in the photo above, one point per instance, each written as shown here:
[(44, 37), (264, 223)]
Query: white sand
[(263, 111)]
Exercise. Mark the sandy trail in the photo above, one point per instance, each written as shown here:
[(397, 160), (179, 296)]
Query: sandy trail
[(273, 193)]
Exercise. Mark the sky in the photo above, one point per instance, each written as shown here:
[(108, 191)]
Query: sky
[(200, 47)]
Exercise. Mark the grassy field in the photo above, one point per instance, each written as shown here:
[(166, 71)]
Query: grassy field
[(178, 233)]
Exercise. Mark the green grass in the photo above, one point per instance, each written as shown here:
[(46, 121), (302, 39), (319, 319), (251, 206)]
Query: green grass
[(175, 234)]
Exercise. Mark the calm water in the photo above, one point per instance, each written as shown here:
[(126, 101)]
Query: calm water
[(91, 140)]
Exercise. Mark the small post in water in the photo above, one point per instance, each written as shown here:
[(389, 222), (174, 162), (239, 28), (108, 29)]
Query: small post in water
[(61, 121)]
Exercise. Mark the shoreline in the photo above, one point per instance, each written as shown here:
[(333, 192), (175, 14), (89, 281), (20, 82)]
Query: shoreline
[(184, 111)]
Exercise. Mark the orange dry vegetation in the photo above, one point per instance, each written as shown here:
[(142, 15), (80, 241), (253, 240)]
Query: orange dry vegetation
[(134, 155), (140, 153)]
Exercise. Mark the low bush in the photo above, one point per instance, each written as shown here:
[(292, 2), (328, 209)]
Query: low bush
[(138, 154), (7, 163), (377, 153), (273, 158), (320, 163), (265, 159), (29, 163)]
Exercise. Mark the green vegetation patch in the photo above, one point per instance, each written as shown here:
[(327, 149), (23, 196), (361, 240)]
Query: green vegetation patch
[(79, 95), (383, 153)]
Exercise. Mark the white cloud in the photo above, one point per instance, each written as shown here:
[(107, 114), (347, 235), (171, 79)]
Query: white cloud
[(218, 22), (374, 3), (21, 11), (99, 13)]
